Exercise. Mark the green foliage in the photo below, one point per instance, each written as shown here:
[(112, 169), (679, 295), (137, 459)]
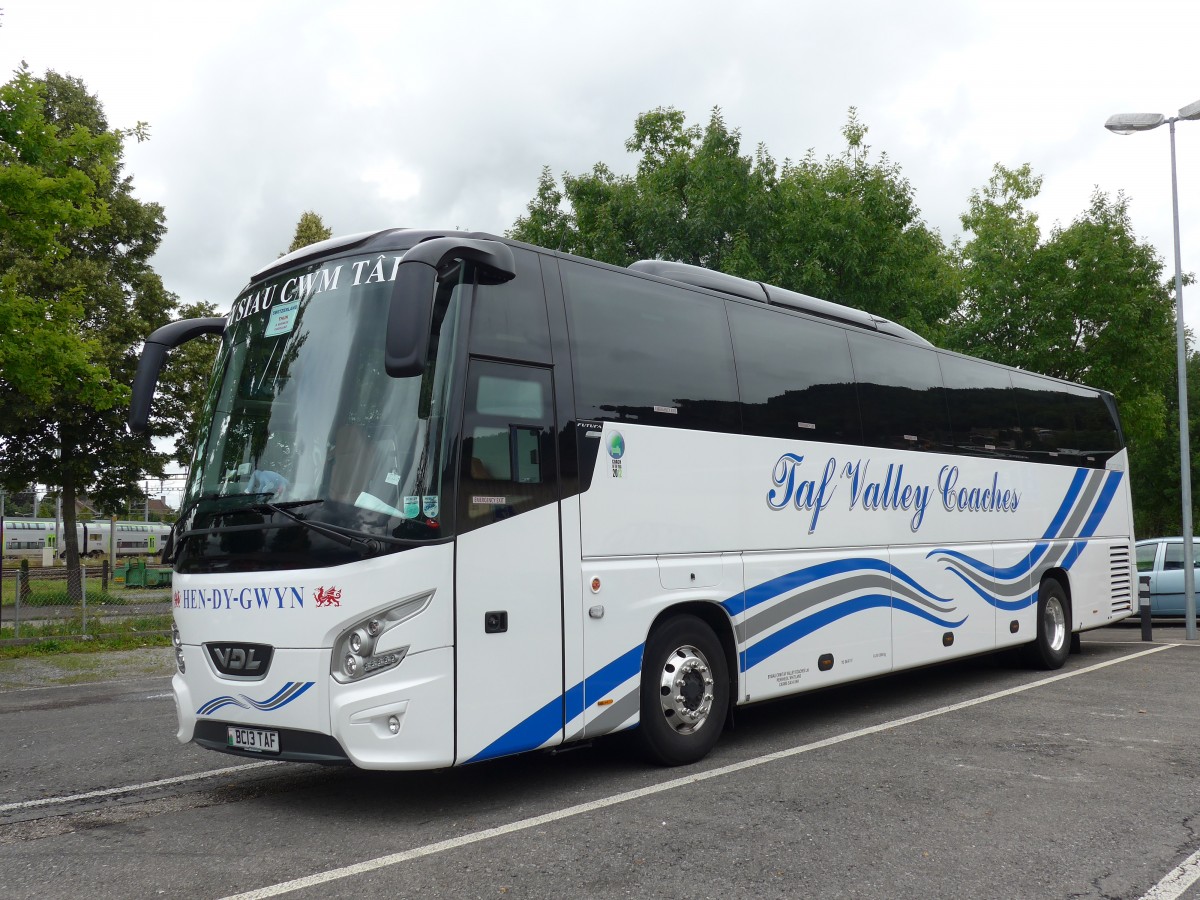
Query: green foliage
[(80, 283), (845, 228), (1088, 303), (309, 230), (48, 187)]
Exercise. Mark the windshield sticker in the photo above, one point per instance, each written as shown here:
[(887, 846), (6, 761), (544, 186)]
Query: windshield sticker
[(392, 478), (490, 501), (430, 506), (616, 449), (374, 504), (412, 506), (283, 319)]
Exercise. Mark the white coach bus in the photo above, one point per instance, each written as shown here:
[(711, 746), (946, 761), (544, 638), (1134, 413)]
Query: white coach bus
[(456, 497)]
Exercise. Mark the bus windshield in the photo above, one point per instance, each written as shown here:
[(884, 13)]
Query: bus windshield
[(302, 419)]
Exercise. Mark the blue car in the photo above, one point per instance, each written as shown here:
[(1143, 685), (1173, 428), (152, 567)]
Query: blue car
[(1162, 560)]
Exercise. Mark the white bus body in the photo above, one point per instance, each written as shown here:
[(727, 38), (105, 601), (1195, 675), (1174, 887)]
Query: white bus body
[(585, 563)]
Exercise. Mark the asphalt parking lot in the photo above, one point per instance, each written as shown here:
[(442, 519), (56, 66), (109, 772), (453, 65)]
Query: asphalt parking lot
[(974, 779)]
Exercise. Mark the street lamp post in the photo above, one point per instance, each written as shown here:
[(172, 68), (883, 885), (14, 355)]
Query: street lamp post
[(1128, 123)]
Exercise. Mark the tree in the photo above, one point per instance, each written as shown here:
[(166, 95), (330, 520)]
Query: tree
[(1088, 303), (309, 230), (77, 439), (846, 228), (48, 182), (850, 231)]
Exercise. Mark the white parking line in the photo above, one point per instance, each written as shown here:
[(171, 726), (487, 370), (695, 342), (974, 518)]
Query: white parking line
[(571, 811), (75, 686), (1177, 881), (131, 788)]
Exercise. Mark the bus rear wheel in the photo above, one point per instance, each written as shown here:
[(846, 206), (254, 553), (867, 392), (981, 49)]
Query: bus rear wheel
[(684, 693), (1053, 643)]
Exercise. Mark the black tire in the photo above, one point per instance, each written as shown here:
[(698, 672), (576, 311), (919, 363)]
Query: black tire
[(684, 693), (1053, 643)]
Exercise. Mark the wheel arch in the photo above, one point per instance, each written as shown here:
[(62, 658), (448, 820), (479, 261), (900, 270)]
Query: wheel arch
[(1060, 575), (714, 615)]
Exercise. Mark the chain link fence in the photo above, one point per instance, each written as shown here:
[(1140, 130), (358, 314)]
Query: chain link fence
[(37, 603)]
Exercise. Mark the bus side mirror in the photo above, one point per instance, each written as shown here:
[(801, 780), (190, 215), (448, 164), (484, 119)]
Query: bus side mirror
[(410, 314), (154, 354)]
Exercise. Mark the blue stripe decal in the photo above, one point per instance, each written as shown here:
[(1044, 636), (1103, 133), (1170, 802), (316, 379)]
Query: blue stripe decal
[(1087, 530), (771, 589), (1024, 566), (541, 726), (279, 699), (1093, 521), (547, 721), (772, 644), (1007, 605)]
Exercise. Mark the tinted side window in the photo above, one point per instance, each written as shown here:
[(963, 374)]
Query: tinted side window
[(1064, 424), (508, 458), (649, 353), (1173, 559), (509, 320), (900, 394), (1145, 557), (983, 408), (795, 377)]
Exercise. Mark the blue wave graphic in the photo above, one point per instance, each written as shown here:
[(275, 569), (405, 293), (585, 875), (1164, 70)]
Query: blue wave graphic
[(1006, 605), (280, 698), (1025, 566), (546, 722), (543, 724), (769, 590)]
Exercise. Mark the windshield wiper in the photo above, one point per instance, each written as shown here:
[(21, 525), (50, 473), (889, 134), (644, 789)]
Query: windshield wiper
[(369, 545)]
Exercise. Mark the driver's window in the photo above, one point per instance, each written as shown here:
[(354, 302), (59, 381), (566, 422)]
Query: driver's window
[(508, 463)]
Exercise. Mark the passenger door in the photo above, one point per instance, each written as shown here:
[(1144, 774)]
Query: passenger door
[(508, 567)]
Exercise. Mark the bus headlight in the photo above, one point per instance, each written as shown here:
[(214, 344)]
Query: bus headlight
[(177, 641), (354, 652)]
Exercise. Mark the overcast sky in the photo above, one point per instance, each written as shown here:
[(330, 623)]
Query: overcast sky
[(442, 114)]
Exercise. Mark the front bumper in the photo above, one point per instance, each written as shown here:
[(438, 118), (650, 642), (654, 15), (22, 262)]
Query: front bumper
[(320, 720)]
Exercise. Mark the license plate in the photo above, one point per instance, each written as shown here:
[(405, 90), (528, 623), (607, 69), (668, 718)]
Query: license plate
[(254, 739)]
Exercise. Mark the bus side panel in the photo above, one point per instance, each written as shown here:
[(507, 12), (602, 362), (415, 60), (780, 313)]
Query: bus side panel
[(577, 600), (509, 674), (938, 612), (621, 611), (814, 619), (1013, 588), (1095, 579), (624, 596)]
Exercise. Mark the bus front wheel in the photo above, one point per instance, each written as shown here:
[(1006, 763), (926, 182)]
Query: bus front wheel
[(1053, 643), (684, 693)]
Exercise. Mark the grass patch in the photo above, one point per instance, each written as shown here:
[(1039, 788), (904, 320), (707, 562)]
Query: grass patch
[(107, 634), (48, 587), (54, 593)]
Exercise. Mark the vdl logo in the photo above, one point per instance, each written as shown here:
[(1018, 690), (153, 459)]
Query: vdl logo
[(250, 661)]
